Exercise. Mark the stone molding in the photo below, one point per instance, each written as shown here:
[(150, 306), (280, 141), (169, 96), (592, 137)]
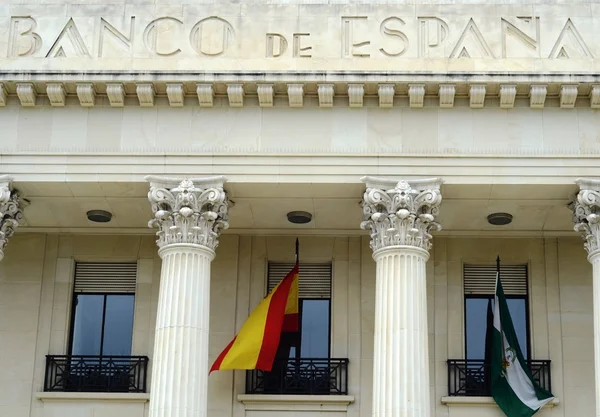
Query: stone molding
[(357, 90), (586, 213), (401, 213), (92, 396), (481, 402), (11, 212), (193, 211), (320, 403)]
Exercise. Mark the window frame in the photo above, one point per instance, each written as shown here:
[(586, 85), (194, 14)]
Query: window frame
[(508, 297), (300, 310), (301, 299), (74, 312)]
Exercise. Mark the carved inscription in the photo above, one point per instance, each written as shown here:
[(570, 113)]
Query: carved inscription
[(355, 37)]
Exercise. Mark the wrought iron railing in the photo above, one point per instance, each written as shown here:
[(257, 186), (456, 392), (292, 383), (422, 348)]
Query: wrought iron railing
[(301, 376), (471, 378), (96, 373)]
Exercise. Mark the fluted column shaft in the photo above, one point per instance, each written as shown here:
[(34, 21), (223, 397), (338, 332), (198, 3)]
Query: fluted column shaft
[(400, 216), (190, 216), (586, 218), (180, 360), (401, 355)]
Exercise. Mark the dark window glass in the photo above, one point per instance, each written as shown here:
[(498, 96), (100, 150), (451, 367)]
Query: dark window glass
[(87, 325), (476, 322), (102, 324), (118, 325), (314, 336)]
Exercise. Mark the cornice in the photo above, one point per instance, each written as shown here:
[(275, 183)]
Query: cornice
[(274, 89)]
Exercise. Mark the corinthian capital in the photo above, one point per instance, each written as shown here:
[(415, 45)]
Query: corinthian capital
[(401, 213), (586, 213), (10, 211), (188, 211)]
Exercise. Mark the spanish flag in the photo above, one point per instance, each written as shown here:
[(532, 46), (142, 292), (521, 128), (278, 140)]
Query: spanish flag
[(256, 344)]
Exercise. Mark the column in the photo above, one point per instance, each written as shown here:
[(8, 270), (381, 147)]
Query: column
[(190, 216), (400, 217), (10, 211), (586, 217)]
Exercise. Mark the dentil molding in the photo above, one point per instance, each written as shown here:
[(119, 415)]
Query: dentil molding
[(188, 210), (401, 213), (586, 213), (357, 90), (11, 212)]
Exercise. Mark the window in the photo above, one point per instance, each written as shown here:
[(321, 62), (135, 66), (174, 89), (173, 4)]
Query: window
[(103, 301), (303, 364), (479, 284), (314, 293), (99, 357), (471, 376)]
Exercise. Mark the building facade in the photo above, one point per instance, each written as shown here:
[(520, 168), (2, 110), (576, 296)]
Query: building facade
[(158, 160)]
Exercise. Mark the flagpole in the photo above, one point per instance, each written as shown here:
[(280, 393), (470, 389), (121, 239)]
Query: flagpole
[(297, 250), (497, 269)]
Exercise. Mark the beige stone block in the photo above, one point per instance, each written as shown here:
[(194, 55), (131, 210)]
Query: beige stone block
[(144, 271), (15, 411), (385, 129), (577, 324), (15, 393), (174, 127), (557, 126), (579, 374), (139, 128), (9, 117), (578, 349), (19, 294), (34, 128), (65, 246), (18, 317), (104, 129), (58, 342), (300, 133), (577, 399), (108, 247), (69, 128), (588, 126)]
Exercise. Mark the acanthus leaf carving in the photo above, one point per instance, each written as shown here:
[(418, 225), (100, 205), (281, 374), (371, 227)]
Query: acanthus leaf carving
[(401, 215), (11, 212), (188, 213), (586, 214)]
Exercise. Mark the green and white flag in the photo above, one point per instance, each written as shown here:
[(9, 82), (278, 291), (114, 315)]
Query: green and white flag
[(513, 387)]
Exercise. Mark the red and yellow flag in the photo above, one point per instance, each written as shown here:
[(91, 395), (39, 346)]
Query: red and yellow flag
[(256, 344)]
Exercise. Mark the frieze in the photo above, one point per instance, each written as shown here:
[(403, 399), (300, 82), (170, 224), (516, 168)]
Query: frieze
[(348, 36)]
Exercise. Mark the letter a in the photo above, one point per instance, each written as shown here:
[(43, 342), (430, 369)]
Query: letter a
[(75, 44)]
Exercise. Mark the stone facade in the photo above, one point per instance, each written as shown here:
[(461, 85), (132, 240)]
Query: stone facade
[(239, 112)]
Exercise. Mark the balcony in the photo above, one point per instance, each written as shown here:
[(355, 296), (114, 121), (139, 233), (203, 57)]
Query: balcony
[(470, 378), (301, 377), (124, 374)]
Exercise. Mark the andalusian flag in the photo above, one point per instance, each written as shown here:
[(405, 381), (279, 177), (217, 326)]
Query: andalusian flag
[(513, 387), (256, 344)]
